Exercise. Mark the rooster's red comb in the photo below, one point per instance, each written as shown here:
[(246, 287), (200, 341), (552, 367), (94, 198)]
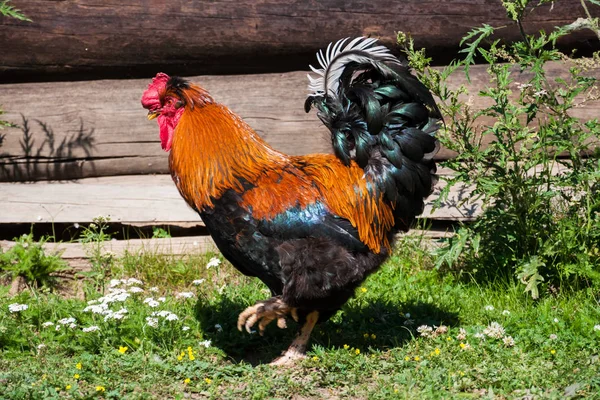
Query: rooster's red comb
[(151, 97)]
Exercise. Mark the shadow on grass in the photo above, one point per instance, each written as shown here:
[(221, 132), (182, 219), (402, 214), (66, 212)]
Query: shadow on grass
[(378, 326)]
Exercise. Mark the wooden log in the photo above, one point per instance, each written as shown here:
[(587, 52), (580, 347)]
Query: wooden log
[(77, 255), (133, 39), (72, 130), (148, 199)]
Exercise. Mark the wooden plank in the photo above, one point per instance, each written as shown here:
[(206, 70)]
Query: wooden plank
[(77, 255), (125, 39), (139, 199), (98, 128)]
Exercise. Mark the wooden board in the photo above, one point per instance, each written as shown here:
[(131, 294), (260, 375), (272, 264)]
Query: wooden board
[(148, 199), (133, 39), (77, 255), (71, 130)]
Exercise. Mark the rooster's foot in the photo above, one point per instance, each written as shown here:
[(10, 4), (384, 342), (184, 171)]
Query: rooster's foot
[(297, 350), (265, 312), (288, 358)]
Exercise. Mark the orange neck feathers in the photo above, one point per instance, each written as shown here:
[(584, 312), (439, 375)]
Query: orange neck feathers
[(213, 150)]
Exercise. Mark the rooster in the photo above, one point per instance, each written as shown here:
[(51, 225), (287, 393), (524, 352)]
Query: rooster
[(311, 227)]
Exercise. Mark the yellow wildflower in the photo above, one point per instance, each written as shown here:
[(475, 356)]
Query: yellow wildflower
[(192, 357), (76, 376), (357, 351), (100, 389), (449, 339), (373, 336), (57, 389), (179, 357), (187, 380), (315, 358), (68, 387), (78, 366), (364, 290), (552, 351), (395, 390), (44, 377), (437, 351), (123, 349), (191, 353), (462, 345), (366, 335), (417, 358), (346, 347), (406, 358), (208, 381)]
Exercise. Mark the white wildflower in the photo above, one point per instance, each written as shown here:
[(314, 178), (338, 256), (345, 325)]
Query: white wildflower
[(171, 317), (16, 307), (206, 343), (185, 328), (214, 262), (505, 312), (494, 330), (185, 295), (92, 328), (57, 327), (76, 225), (162, 299), (97, 309), (153, 289), (523, 86), (47, 324), (440, 330), (425, 331), (133, 281), (151, 302), (479, 336), (218, 327), (67, 321), (488, 308), (508, 341), (41, 346), (135, 289), (198, 282), (162, 313), (597, 327), (153, 322), (114, 283), (407, 315), (462, 334), (73, 326), (553, 337), (540, 93), (93, 302)]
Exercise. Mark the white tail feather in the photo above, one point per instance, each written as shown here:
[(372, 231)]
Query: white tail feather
[(335, 58)]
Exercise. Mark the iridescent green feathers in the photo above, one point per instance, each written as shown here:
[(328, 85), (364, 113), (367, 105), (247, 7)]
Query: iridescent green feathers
[(380, 116)]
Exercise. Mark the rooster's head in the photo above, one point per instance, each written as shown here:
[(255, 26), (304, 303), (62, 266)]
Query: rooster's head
[(166, 99)]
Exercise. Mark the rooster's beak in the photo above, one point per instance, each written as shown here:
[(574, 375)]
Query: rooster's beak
[(153, 114)]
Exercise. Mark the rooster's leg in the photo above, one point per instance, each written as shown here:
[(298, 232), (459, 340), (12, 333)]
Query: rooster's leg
[(265, 312), (297, 349)]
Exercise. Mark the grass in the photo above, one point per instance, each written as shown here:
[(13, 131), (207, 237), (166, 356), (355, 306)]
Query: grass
[(371, 349)]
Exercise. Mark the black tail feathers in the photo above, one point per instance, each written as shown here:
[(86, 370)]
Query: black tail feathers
[(383, 118)]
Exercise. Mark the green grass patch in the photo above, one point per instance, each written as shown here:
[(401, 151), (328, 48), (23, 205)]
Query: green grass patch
[(410, 332)]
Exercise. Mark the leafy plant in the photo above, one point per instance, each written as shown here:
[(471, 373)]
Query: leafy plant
[(532, 163), (27, 259), (160, 233), (9, 11), (93, 237)]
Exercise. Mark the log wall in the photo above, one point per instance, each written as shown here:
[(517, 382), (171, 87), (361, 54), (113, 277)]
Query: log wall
[(72, 130), (135, 38)]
